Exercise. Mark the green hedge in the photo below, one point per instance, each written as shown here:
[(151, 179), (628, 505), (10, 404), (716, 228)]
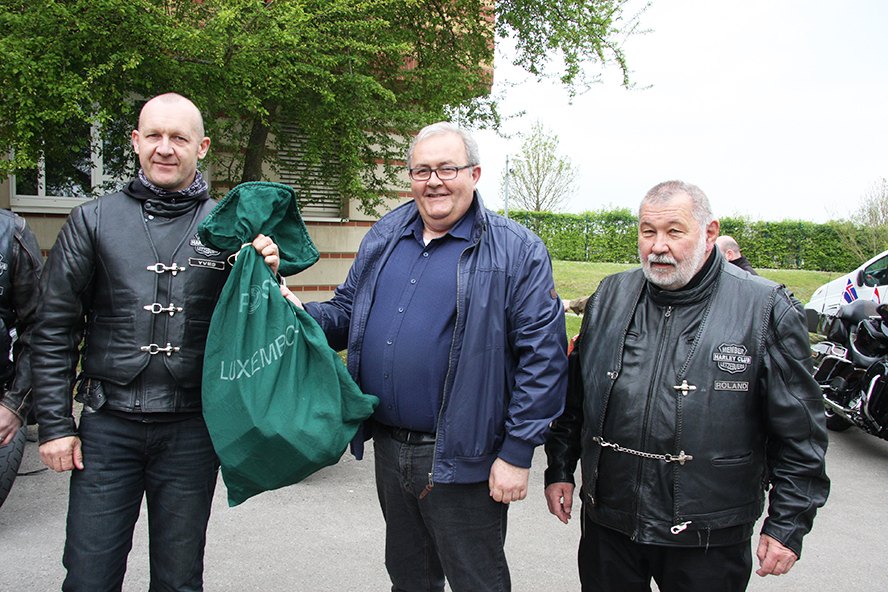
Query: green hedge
[(611, 236)]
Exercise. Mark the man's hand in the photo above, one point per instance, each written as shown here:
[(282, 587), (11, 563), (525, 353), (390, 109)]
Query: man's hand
[(286, 293), (508, 483), (774, 558), (559, 496), (62, 454), (266, 247), (9, 425)]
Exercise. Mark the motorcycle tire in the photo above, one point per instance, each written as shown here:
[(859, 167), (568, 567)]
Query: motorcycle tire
[(10, 459), (836, 423)]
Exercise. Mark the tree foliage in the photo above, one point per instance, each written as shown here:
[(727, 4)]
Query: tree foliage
[(612, 236), (866, 233), (540, 180), (351, 78)]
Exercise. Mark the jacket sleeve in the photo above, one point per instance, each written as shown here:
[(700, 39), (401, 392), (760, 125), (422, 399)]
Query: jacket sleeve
[(563, 445), (66, 288), (796, 425), (25, 268), (538, 342)]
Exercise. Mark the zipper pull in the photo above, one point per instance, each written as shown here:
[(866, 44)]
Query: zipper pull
[(668, 312), (428, 488)]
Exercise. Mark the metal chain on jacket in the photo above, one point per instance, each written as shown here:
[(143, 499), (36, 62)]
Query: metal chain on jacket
[(681, 458)]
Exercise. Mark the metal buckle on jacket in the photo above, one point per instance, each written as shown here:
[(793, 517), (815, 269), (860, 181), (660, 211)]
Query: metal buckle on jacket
[(679, 527), (160, 268), (158, 308), (156, 349)]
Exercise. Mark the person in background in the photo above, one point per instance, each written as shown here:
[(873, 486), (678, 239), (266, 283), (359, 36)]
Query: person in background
[(731, 250), (20, 266), (690, 395)]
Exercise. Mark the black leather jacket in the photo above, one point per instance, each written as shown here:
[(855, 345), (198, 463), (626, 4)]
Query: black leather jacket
[(685, 406), (20, 265), (143, 317)]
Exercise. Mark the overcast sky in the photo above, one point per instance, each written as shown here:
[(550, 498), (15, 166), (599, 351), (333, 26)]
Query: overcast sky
[(776, 109)]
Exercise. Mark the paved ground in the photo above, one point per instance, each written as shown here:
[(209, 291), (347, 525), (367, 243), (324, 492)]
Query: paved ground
[(325, 534)]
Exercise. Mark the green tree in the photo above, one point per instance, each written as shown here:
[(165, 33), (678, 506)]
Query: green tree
[(350, 78), (866, 232), (539, 180)]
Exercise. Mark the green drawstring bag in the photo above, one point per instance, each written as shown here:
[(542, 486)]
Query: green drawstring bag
[(277, 400)]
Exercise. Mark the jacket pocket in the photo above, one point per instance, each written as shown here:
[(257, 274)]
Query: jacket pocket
[(732, 461)]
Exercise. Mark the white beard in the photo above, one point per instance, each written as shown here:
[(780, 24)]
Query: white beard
[(680, 274)]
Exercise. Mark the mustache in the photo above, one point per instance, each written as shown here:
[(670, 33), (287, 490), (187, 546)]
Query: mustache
[(661, 259)]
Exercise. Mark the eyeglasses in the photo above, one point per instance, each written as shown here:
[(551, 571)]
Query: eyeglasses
[(444, 173)]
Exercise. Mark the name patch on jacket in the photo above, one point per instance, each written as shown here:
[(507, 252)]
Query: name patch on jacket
[(730, 385), (206, 263), (202, 249), (731, 358)]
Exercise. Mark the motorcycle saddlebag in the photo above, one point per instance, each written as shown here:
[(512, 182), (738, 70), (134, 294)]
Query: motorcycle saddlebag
[(876, 379)]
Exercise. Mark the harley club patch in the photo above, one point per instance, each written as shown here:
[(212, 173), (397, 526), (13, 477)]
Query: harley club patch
[(731, 358), (202, 249)]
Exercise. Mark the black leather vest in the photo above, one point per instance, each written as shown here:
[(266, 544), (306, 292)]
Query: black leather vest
[(126, 324), (703, 401)]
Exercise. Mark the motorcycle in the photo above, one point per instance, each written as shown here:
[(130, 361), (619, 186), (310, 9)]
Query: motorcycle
[(10, 459), (851, 367)]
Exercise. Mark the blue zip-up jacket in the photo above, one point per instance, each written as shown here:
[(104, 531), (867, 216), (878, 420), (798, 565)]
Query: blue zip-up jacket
[(507, 373)]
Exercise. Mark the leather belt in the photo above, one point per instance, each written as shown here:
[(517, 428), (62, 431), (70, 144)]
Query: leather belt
[(407, 436)]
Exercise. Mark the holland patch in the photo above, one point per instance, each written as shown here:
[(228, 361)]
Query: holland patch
[(731, 358), (202, 249)]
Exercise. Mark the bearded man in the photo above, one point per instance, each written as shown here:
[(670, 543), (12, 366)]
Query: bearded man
[(693, 381)]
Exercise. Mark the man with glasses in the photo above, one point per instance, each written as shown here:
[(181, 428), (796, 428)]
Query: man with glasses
[(451, 318)]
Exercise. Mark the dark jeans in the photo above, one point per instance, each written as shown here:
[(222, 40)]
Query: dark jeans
[(610, 561), (456, 530), (175, 466)]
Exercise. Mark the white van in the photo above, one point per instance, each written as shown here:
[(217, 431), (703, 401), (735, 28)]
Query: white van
[(868, 282)]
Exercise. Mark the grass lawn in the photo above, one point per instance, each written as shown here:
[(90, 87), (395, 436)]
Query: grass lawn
[(574, 279)]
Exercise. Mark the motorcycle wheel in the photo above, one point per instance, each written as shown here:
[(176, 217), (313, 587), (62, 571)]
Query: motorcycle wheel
[(836, 423), (10, 459)]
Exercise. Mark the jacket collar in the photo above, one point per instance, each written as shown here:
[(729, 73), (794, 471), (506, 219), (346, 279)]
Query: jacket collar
[(701, 284)]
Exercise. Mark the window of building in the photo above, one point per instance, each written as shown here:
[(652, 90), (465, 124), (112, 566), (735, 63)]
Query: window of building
[(318, 196), (61, 182)]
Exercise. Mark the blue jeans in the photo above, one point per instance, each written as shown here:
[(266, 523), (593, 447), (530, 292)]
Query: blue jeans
[(175, 466), (457, 530)]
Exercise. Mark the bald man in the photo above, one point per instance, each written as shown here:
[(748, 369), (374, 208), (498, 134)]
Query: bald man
[(731, 250), (129, 277)]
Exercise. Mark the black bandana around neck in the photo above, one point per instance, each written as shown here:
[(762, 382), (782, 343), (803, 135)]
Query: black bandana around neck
[(197, 187)]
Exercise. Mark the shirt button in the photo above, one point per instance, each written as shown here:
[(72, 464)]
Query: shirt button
[(400, 309), (389, 341), (426, 254), (413, 281)]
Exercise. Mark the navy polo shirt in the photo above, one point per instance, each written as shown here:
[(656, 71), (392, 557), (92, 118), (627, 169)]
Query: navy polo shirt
[(409, 330)]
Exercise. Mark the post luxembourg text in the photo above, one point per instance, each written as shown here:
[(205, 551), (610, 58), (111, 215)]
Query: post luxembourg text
[(261, 358), (265, 355)]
